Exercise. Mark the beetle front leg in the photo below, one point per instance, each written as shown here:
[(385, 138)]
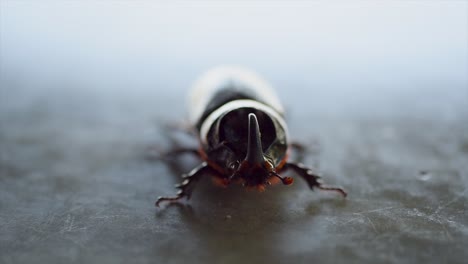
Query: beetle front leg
[(186, 187), (312, 180)]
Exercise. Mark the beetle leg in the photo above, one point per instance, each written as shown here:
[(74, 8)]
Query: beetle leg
[(312, 180), (300, 150), (284, 180), (186, 186), (298, 146)]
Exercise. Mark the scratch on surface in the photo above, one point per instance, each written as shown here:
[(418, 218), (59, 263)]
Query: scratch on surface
[(371, 223), (446, 231), (443, 206), (68, 226), (351, 220), (331, 220), (376, 210), (110, 216), (441, 220), (363, 216)]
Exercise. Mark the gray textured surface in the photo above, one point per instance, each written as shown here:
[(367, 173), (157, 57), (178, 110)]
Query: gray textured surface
[(75, 186), (79, 189)]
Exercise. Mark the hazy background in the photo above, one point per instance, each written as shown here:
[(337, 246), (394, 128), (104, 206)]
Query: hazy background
[(372, 57), (377, 90)]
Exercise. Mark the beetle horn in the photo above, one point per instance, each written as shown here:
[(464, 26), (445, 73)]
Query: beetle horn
[(254, 144)]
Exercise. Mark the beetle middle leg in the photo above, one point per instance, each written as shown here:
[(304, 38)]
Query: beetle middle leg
[(299, 149), (188, 183), (170, 132), (312, 180)]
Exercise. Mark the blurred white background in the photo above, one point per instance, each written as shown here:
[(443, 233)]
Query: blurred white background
[(376, 90), (337, 57)]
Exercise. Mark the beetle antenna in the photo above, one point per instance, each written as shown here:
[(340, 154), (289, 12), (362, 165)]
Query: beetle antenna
[(284, 180)]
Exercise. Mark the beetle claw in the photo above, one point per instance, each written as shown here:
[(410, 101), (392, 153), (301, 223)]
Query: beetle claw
[(312, 180), (186, 186)]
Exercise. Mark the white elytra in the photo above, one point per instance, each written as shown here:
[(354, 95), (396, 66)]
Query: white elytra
[(205, 88)]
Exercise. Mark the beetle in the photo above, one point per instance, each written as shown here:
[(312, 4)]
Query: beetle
[(243, 137)]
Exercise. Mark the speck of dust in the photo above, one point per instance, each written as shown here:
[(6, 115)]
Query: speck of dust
[(228, 217), (424, 175)]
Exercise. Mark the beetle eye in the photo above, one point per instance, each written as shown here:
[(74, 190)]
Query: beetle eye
[(234, 165)]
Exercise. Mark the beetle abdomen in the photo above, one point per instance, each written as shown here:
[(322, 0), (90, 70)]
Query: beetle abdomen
[(225, 84)]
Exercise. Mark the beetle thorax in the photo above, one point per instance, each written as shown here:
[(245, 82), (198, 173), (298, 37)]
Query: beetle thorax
[(246, 143)]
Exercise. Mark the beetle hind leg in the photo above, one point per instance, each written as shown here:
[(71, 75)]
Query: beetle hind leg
[(312, 180), (187, 185)]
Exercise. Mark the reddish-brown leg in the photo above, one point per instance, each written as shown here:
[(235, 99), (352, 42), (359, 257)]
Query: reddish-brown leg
[(312, 179), (189, 180)]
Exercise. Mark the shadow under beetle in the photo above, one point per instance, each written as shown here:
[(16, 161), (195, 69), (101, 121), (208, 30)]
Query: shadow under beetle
[(243, 137)]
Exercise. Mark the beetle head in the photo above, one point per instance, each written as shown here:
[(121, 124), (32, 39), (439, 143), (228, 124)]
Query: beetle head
[(256, 169)]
